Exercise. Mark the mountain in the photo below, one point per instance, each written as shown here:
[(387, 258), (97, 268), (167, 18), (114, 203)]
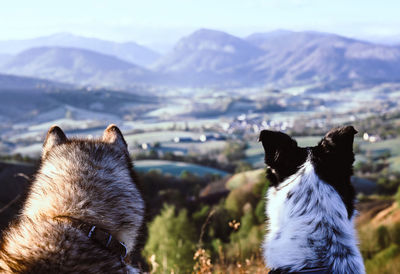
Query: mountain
[(384, 40), (129, 51), (4, 58), (11, 82), (76, 66), (210, 58), (309, 57), (207, 56), (278, 58)]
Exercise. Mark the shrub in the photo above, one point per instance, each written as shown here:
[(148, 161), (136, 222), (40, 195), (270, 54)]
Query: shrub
[(245, 243), (398, 197), (383, 237), (395, 233), (368, 247), (171, 241), (236, 200), (260, 212), (386, 261)]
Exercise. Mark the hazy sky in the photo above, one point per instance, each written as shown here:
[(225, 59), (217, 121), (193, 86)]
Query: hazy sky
[(164, 21)]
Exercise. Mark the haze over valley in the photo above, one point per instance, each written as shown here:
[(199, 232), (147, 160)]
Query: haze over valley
[(210, 82)]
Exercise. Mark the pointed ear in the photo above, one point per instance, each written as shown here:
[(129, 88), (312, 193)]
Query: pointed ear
[(275, 142), (339, 139), (282, 155), (55, 136), (113, 135)]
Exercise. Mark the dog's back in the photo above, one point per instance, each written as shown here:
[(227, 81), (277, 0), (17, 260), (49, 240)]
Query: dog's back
[(310, 204), (81, 185)]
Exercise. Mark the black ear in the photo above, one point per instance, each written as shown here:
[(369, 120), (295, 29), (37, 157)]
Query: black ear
[(274, 143), (339, 140), (333, 160), (113, 135), (55, 136), (282, 155)]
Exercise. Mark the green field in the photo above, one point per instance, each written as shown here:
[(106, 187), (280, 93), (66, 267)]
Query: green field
[(378, 148), (176, 168), (158, 136)]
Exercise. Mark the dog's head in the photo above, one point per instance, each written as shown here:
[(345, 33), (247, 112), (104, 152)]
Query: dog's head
[(95, 178), (112, 139), (332, 159)]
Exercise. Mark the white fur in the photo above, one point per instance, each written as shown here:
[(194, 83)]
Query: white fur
[(287, 244)]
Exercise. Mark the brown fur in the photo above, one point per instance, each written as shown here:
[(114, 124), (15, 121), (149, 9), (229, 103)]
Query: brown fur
[(89, 180)]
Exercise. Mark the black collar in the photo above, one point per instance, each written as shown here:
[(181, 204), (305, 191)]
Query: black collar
[(98, 235), (315, 270)]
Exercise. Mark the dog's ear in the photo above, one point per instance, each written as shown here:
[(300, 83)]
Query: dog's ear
[(339, 140), (333, 160), (113, 135), (282, 155), (55, 136), (275, 143)]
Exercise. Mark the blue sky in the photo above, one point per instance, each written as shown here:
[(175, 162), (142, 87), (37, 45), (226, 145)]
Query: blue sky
[(164, 21)]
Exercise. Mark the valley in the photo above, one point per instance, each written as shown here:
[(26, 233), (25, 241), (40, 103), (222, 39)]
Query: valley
[(191, 118)]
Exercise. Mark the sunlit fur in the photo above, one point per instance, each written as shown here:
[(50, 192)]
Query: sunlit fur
[(89, 180), (308, 225)]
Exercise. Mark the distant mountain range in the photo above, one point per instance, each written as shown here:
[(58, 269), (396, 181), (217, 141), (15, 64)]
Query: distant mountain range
[(312, 56), (210, 58), (4, 58), (77, 66), (129, 51)]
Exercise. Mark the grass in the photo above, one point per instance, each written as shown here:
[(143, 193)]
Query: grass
[(378, 148), (385, 262), (196, 147), (158, 136), (176, 168)]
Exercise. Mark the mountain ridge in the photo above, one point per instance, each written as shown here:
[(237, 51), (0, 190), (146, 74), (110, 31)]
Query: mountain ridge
[(75, 66), (128, 51), (211, 58)]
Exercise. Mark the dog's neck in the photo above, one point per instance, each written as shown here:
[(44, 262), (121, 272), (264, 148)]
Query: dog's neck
[(309, 226), (98, 235)]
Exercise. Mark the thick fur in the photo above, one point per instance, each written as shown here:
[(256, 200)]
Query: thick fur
[(310, 204), (88, 180)]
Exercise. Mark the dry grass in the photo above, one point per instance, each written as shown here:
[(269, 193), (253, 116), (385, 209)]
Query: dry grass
[(252, 265), (203, 263)]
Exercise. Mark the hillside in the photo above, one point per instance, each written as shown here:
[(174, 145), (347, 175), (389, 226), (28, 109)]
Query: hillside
[(128, 51), (207, 55), (379, 232), (77, 66), (13, 186), (305, 57), (11, 82), (4, 58), (79, 106)]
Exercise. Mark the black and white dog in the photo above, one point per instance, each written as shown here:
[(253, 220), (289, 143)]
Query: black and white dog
[(311, 204)]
